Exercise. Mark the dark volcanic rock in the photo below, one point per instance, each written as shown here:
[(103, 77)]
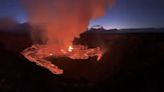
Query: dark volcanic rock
[(131, 63)]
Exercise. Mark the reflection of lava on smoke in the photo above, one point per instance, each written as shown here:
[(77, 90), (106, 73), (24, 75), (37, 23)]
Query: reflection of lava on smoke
[(69, 19)]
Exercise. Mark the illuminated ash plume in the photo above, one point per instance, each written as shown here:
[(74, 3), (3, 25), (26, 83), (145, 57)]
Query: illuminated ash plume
[(64, 20)]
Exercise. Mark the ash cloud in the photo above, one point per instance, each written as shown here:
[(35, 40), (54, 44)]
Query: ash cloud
[(64, 19)]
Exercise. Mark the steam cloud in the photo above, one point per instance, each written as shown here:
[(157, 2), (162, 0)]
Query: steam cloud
[(64, 19)]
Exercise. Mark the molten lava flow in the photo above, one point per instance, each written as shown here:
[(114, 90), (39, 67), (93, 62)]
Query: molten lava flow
[(39, 53)]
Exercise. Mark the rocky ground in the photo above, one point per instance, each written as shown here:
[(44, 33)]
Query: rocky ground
[(133, 62)]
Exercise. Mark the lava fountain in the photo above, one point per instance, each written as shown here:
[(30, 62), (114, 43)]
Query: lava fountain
[(62, 21)]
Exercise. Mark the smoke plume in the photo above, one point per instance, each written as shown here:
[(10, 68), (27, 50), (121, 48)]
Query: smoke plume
[(64, 19)]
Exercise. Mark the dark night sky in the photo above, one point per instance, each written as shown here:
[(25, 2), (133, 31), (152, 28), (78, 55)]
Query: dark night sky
[(124, 14)]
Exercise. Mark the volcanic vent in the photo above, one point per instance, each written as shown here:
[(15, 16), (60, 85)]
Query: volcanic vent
[(62, 20)]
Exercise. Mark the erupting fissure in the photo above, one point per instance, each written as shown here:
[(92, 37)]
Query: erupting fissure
[(62, 21)]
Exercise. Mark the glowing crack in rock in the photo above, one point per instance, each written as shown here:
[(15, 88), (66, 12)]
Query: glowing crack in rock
[(39, 53)]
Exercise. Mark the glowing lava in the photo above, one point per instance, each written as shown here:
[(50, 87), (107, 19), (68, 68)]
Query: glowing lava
[(70, 48), (39, 53)]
